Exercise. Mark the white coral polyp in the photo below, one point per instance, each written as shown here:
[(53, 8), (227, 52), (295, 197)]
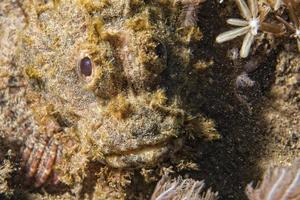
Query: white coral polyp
[(254, 25)]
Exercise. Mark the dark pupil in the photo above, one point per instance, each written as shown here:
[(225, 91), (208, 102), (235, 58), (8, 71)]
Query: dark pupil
[(160, 50), (86, 66)]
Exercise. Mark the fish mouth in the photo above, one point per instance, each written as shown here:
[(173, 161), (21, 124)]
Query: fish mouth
[(145, 156)]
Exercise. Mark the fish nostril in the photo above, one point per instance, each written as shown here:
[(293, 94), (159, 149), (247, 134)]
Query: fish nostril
[(86, 66)]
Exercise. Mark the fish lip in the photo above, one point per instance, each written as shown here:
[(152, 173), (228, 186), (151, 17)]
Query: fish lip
[(145, 156), (135, 151)]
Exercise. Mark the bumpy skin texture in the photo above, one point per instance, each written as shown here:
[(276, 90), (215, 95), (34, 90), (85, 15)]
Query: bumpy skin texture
[(15, 117), (126, 113)]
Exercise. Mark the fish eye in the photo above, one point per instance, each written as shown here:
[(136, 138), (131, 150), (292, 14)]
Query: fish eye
[(86, 66)]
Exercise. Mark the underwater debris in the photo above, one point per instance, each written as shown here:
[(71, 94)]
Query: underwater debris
[(279, 183), (247, 90), (276, 4), (189, 12), (244, 86), (293, 15), (179, 188), (287, 86), (6, 168), (254, 22)]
